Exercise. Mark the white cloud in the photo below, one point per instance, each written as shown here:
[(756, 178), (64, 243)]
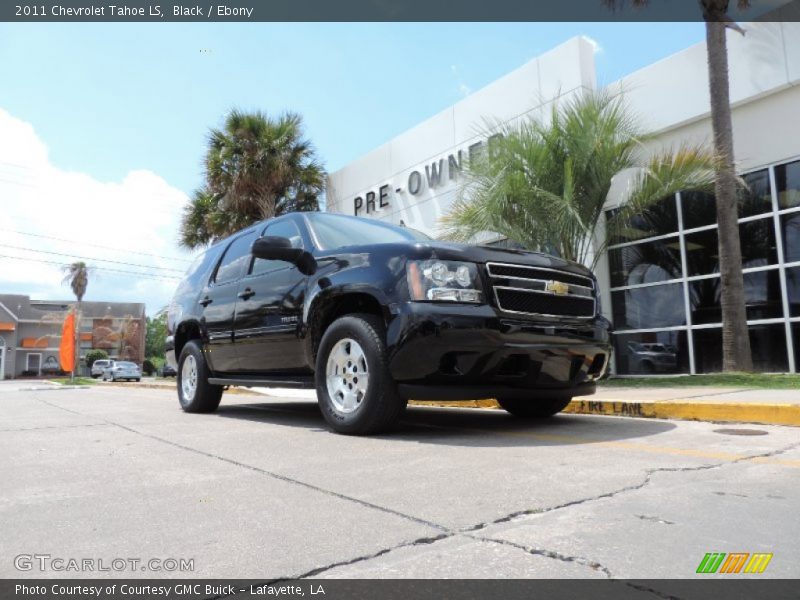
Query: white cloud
[(594, 43), (136, 218)]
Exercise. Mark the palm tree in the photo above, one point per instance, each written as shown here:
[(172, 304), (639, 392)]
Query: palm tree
[(736, 354), (544, 185), (77, 275), (256, 167)]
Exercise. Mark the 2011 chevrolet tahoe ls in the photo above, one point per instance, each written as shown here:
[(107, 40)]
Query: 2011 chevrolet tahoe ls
[(372, 315)]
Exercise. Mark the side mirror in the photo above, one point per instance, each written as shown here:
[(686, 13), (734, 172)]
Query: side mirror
[(272, 247)]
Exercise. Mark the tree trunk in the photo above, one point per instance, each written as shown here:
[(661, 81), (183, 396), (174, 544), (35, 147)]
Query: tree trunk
[(735, 339)]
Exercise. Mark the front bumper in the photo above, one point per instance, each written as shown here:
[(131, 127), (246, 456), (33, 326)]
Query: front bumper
[(454, 351)]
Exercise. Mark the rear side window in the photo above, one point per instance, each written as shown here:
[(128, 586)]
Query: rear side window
[(286, 229), (236, 259)]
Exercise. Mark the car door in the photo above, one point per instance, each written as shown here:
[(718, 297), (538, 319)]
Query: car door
[(218, 303), (268, 311)]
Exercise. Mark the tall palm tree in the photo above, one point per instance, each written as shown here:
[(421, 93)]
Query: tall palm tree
[(77, 276), (256, 167), (544, 184), (736, 354)]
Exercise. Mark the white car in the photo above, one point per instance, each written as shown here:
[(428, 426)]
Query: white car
[(99, 366), (122, 369)]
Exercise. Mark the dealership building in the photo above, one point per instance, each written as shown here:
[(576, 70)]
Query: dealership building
[(30, 333), (659, 287)]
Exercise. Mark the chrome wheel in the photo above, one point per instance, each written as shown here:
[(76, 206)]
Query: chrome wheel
[(347, 375), (189, 378)]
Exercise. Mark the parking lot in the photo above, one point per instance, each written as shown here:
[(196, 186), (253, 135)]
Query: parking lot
[(261, 489)]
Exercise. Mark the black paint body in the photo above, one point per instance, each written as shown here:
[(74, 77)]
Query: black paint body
[(267, 327)]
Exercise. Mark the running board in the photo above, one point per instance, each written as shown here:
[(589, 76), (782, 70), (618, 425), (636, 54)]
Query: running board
[(300, 383)]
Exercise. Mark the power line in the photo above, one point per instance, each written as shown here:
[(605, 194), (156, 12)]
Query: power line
[(57, 239), (54, 262), (116, 262)]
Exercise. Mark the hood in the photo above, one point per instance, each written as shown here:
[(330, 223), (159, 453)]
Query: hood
[(484, 254)]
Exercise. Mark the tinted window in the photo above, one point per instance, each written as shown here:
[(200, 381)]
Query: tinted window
[(657, 352), (236, 259), (651, 306), (125, 365), (767, 343), (791, 236), (758, 247), (787, 178), (762, 292), (285, 229), (757, 197), (659, 219), (337, 231), (647, 262)]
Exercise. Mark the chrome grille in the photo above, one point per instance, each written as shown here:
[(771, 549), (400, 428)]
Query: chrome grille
[(542, 291)]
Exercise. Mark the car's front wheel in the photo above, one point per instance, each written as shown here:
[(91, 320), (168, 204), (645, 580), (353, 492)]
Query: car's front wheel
[(356, 392), (195, 394), (534, 408)]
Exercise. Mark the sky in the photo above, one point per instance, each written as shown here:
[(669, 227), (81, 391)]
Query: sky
[(103, 126)]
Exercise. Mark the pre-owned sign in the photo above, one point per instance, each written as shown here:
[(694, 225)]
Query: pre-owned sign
[(436, 174)]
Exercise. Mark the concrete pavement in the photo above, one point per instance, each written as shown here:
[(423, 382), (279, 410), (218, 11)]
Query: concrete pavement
[(262, 489)]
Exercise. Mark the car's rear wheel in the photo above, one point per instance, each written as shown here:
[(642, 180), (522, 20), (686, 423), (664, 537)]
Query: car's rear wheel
[(534, 408), (195, 394), (356, 392)]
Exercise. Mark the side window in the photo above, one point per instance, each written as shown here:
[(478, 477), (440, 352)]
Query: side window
[(287, 229), (236, 259)]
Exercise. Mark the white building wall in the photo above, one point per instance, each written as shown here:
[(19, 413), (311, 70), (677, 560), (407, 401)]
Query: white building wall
[(526, 92)]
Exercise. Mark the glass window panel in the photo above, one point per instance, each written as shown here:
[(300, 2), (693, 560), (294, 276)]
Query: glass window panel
[(285, 229), (793, 291), (757, 198), (236, 260), (762, 295), (796, 338), (698, 208), (787, 180), (758, 247), (758, 243), (649, 307), (702, 252), (767, 343), (645, 353), (660, 219), (647, 262), (790, 226)]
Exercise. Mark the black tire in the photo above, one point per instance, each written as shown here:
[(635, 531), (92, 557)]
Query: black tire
[(534, 408), (206, 396), (380, 406), (648, 368)]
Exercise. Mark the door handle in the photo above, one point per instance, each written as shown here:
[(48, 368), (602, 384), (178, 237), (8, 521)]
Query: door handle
[(206, 301), (247, 293)]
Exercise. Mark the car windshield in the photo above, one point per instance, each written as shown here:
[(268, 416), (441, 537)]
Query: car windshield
[(125, 365), (337, 231)]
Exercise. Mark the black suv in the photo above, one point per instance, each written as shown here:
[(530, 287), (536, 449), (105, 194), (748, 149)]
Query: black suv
[(372, 315)]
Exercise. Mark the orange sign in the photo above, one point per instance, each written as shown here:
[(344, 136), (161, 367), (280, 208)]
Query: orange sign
[(66, 351)]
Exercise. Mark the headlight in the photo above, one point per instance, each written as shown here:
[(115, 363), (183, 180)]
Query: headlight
[(443, 280)]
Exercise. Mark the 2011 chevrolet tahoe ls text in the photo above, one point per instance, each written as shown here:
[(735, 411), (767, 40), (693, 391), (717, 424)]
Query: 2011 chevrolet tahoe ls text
[(372, 315)]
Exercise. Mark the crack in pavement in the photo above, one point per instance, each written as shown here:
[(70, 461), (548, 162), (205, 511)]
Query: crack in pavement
[(448, 532), (594, 565), (55, 427), (629, 488), (266, 472)]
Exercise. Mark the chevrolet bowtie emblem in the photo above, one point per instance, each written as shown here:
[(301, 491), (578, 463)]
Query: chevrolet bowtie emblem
[(557, 287)]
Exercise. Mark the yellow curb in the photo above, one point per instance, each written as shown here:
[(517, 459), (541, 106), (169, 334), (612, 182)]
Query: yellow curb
[(767, 414)]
